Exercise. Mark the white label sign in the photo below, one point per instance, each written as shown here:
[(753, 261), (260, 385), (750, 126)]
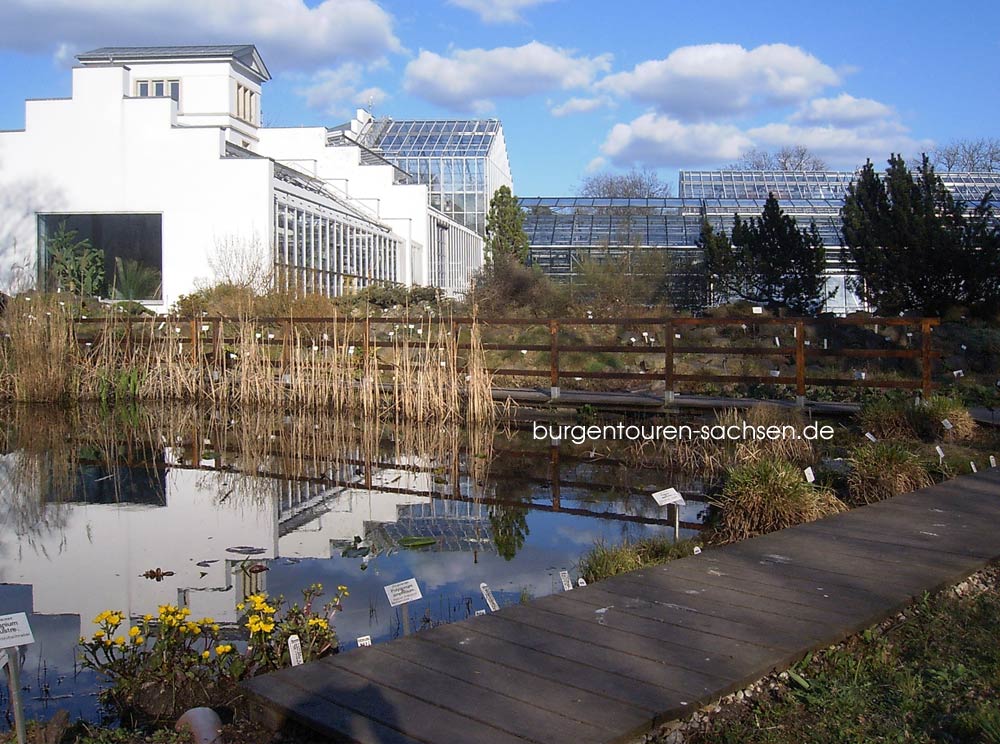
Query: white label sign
[(491, 601), (480, 612), (870, 437), (402, 592), (940, 453), (947, 424), (993, 461), (958, 373), (757, 310), (364, 641), (777, 341), (668, 496), (810, 475), (564, 577), (581, 582), (15, 631), (973, 466), (295, 650)]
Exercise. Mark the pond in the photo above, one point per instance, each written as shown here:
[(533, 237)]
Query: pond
[(132, 509)]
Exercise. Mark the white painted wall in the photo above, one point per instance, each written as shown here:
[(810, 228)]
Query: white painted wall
[(101, 151)]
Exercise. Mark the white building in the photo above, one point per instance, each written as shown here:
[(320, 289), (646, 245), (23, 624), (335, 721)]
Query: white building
[(159, 159)]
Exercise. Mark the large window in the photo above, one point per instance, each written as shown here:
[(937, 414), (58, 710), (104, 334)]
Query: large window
[(119, 256), (246, 104)]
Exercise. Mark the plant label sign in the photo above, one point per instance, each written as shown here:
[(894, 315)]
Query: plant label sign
[(295, 650), (870, 437), (940, 453), (993, 461), (15, 631), (668, 496), (491, 601), (948, 426), (364, 641), (581, 582), (402, 592), (973, 466), (480, 612), (564, 577), (959, 373), (810, 475), (757, 310)]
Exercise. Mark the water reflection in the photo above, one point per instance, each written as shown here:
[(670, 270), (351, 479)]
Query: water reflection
[(143, 507)]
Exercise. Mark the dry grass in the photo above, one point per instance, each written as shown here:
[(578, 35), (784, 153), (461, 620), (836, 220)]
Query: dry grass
[(343, 364), (769, 495), (883, 470), (902, 418)]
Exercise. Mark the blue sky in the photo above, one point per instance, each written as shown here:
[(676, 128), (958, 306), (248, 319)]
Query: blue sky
[(580, 85)]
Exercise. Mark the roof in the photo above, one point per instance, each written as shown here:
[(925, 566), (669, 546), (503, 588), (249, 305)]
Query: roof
[(397, 138), (245, 54)]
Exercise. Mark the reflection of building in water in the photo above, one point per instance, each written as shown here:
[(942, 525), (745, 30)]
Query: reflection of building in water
[(85, 555), (455, 525)]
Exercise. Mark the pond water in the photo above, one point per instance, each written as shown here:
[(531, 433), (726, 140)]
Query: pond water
[(90, 501)]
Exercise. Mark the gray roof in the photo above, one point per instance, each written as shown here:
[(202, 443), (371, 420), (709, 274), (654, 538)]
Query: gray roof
[(246, 54)]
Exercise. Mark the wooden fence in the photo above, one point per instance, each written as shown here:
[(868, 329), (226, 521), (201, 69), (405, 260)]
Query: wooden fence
[(208, 337)]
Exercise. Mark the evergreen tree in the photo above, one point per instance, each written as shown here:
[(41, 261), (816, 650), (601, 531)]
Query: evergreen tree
[(914, 246), (768, 260), (505, 234)]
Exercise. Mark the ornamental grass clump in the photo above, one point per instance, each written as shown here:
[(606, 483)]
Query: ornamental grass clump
[(903, 418), (159, 666), (768, 495), (883, 470), (603, 561)]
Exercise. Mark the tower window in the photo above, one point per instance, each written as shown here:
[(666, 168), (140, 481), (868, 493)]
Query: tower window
[(158, 89)]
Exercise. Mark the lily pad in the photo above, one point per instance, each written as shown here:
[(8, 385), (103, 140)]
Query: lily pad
[(416, 542)]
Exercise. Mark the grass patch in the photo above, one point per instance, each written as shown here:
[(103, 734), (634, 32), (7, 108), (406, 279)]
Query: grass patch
[(604, 561), (768, 495), (899, 418), (883, 470), (934, 677)]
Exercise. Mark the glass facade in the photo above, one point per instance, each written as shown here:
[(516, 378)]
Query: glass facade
[(463, 162), (128, 246), (324, 251), (564, 231), (456, 254)]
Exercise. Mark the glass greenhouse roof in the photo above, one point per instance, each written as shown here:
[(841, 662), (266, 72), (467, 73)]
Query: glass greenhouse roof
[(422, 138), (758, 184)]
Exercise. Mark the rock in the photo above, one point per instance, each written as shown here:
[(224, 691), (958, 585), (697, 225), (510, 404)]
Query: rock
[(203, 723)]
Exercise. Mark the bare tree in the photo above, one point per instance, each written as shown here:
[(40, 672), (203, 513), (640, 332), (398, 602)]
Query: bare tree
[(636, 184), (788, 158), (242, 263), (981, 155)]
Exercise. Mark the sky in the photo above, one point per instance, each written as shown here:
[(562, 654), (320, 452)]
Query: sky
[(581, 86)]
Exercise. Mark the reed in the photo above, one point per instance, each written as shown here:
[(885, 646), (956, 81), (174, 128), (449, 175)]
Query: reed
[(341, 364), (883, 470)]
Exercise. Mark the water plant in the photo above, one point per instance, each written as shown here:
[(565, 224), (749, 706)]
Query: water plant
[(881, 470), (767, 495), (603, 561)]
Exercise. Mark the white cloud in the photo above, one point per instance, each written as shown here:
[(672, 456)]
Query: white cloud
[(498, 11), (843, 146), (657, 140), (288, 33), (596, 164), (335, 91), (845, 109), (469, 79), (701, 81), (578, 106)]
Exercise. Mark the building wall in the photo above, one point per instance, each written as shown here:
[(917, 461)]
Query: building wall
[(104, 152)]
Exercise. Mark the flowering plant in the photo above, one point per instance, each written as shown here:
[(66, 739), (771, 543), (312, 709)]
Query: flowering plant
[(160, 665)]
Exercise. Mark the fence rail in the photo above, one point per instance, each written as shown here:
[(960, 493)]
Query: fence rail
[(207, 339)]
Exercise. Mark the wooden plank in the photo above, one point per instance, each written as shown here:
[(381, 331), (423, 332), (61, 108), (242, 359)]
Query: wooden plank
[(571, 672), (303, 706), (532, 723), (553, 695), (678, 684), (387, 706)]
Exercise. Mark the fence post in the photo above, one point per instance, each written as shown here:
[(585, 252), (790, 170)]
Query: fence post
[(925, 357), (554, 359), (668, 362), (800, 364)]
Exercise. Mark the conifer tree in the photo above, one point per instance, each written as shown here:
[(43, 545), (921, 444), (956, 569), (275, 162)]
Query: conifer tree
[(505, 234)]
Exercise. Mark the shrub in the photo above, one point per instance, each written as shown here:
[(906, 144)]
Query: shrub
[(768, 495), (506, 286), (602, 561), (883, 470), (163, 665), (898, 417)]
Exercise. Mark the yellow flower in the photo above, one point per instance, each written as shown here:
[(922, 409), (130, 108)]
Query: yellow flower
[(138, 640), (223, 649), (119, 641), (240, 606), (319, 622), (205, 654), (107, 642), (215, 628), (147, 618), (98, 634), (133, 631), (341, 588)]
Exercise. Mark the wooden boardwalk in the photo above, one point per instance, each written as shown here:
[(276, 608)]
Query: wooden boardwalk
[(608, 662)]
